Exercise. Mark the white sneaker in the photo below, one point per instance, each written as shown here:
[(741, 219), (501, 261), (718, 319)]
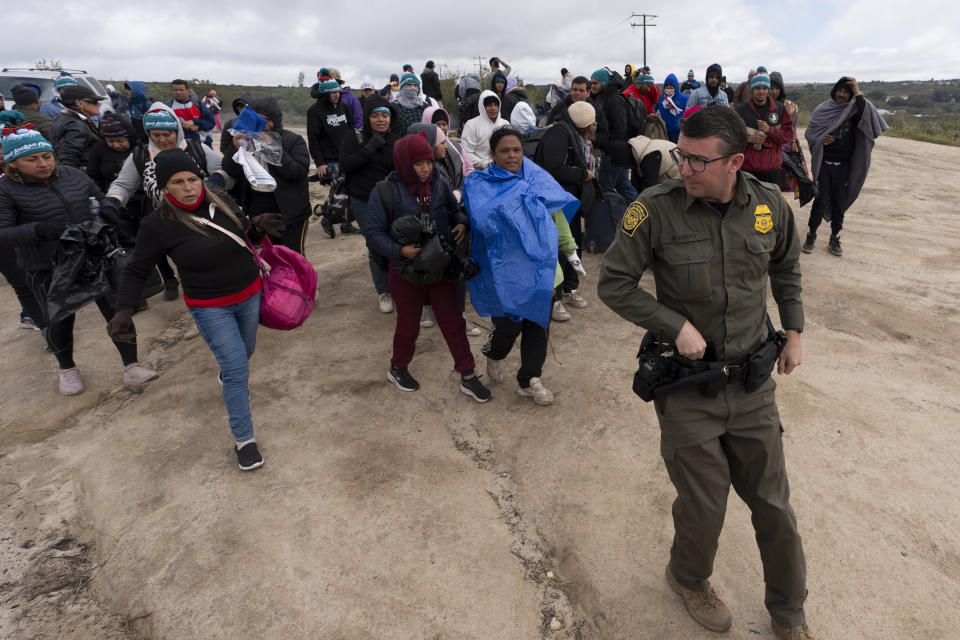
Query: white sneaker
[(574, 299), (540, 394), (136, 374), (427, 318), (495, 370), (472, 329), (385, 304), (560, 314), (71, 383)]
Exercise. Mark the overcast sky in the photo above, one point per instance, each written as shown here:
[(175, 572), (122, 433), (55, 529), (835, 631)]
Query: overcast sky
[(269, 43)]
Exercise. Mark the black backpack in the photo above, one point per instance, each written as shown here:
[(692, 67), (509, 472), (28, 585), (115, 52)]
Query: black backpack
[(531, 141), (636, 116)]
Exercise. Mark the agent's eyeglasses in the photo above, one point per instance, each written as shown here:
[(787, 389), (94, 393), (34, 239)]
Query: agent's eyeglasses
[(696, 163)]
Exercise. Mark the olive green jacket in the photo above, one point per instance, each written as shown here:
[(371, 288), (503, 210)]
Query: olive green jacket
[(709, 268)]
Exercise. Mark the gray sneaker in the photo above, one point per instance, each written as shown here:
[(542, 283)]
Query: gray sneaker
[(703, 606), (574, 299), (136, 374), (559, 314), (809, 243), (540, 394), (71, 383), (427, 319), (834, 245), (385, 303), (495, 370)]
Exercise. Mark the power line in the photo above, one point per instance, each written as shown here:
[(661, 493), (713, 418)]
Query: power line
[(643, 24), (579, 40)]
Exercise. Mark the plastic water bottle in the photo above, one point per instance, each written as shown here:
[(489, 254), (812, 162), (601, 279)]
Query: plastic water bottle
[(94, 207)]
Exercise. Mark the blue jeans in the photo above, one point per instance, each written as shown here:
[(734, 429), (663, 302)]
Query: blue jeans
[(379, 277), (231, 333), (615, 179)]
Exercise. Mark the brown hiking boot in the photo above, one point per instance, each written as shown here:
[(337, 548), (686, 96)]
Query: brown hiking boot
[(801, 632), (703, 606)]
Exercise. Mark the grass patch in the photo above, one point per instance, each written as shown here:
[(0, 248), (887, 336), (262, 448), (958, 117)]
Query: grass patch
[(935, 129)]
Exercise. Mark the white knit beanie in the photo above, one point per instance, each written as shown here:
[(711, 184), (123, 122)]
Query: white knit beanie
[(582, 114)]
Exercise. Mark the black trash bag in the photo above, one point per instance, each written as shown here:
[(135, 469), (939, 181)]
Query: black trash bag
[(84, 268), (462, 267), (793, 163), (335, 207), (434, 258)]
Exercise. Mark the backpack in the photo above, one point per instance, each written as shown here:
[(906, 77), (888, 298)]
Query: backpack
[(531, 142), (636, 116)]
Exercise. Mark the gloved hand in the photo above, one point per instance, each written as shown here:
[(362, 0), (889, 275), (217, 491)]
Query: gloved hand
[(120, 326), (270, 223), (376, 141), (574, 261), (216, 181), (110, 210), (47, 231)]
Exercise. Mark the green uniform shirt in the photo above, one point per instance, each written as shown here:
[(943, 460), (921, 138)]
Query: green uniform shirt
[(709, 268)]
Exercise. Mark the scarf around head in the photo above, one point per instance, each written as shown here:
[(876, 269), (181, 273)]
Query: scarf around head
[(408, 150), (409, 96)]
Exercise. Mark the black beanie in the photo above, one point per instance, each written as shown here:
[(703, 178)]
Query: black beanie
[(24, 96), (174, 161)]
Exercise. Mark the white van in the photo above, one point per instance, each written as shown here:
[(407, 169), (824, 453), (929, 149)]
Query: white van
[(43, 80)]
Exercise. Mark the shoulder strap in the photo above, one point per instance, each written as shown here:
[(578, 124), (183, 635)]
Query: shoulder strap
[(243, 243)]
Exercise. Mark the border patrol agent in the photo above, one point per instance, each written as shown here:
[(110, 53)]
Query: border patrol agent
[(714, 239)]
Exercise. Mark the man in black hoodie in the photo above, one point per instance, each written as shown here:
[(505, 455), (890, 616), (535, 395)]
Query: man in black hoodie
[(580, 91), (430, 83), (365, 161), (606, 87), (291, 197)]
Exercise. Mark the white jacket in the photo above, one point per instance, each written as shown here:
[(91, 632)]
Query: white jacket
[(477, 132)]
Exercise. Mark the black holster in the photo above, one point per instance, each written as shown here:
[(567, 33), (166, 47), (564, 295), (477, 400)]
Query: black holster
[(764, 358)]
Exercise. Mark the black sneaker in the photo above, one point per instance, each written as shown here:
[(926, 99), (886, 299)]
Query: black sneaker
[(809, 243), (248, 457), (834, 245), (402, 378), (327, 228), (347, 228), (475, 389)]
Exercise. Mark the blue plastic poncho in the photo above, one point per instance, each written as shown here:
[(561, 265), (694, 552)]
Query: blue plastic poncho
[(514, 239)]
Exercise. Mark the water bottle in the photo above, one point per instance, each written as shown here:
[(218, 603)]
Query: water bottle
[(94, 207)]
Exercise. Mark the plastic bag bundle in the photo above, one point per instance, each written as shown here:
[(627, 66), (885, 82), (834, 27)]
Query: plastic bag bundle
[(84, 268), (265, 146)]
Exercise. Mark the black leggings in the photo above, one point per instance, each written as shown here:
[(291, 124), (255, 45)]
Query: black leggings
[(533, 345), (60, 334), (18, 280)]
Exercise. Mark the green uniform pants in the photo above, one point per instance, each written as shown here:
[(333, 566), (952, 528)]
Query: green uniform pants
[(741, 445)]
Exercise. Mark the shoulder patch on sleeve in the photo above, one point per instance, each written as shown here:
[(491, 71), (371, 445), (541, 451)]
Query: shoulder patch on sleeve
[(635, 215)]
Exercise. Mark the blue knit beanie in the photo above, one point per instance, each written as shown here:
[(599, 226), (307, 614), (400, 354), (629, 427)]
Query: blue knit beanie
[(161, 120), (65, 81), (601, 75), (328, 86), (407, 78), (645, 78), (24, 143), (760, 80), (761, 69)]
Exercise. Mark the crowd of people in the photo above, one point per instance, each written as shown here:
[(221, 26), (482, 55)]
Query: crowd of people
[(494, 203)]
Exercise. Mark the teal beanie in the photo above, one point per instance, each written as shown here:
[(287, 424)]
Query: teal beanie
[(161, 119), (601, 75), (760, 80), (408, 78), (24, 143), (328, 86)]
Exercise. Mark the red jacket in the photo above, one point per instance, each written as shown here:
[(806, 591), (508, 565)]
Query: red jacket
[(649, 98), (769, 156)]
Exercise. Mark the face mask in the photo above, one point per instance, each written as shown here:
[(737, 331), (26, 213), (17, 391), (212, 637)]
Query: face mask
[(668, 91), (410, 90)]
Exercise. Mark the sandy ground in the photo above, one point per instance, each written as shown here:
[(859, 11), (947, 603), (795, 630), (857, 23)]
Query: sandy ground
[(380, 514)]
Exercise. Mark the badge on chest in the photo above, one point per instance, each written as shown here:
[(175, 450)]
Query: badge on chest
[(762, 218)]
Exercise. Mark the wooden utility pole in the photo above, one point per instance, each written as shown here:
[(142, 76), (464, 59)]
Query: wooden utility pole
[(479, 60), (643, 24)]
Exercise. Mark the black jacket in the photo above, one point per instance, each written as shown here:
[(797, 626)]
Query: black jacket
[(326, 126), (104, 163), (614, 107), (510, 100), (561, 155), (367, 161), (431, 84), (64, 198), (559, 113), (209, 264), (293, 192), (73, 139)]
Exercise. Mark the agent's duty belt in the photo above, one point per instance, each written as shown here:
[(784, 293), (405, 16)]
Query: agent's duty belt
[(662, 370)]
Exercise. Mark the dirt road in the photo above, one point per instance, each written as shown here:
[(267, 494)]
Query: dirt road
[(380, 514)]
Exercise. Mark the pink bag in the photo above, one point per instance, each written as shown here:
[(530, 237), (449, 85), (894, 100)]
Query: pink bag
[(289, 281), (289, 286)]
